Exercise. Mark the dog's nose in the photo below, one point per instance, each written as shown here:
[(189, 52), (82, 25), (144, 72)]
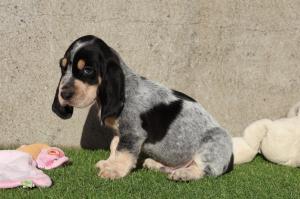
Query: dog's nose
[(67, 94)]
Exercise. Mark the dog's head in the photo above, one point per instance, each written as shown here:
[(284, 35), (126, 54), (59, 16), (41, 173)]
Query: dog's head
[(90, 71)]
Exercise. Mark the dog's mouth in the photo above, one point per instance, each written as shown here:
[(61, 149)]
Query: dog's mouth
[(82, 95), (78, 103), (64, 112)]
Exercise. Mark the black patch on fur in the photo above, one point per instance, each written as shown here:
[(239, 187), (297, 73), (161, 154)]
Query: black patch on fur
[(143, 78), (210, 134), (207, 138), (182, 96), (229, 166), (158, 119), (207, 170)]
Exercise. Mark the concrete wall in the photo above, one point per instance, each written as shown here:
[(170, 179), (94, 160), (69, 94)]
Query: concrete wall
[(240, 59)]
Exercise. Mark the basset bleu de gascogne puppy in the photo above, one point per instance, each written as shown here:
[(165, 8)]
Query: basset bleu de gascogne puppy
[(180, 137)]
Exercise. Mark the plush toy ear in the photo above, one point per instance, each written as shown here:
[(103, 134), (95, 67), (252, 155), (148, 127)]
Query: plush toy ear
[(111, 91), (64, 112)]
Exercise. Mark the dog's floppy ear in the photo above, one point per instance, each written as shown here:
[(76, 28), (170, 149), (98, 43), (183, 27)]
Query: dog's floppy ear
[(64, 112), (111, 91)]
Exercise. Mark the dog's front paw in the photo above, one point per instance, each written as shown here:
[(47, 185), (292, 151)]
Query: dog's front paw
[(111, 170), (101, 164)]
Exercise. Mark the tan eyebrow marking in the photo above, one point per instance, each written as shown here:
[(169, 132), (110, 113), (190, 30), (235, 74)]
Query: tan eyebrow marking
[(64, 62), (80, 64)]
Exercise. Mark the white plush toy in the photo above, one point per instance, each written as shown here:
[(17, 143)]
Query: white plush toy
[(278, 141)]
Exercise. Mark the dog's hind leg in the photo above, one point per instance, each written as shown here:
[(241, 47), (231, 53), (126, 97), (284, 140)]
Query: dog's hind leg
[(189, 171), (192, 172), (157, 166)]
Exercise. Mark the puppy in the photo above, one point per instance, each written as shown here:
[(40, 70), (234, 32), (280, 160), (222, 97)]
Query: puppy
[(179, 135)]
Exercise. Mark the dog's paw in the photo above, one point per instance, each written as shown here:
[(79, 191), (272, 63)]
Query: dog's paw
[(101, 164), (180, 175), (111, 170), (110, 173), (152, 164), (156, 166), (186, 174)]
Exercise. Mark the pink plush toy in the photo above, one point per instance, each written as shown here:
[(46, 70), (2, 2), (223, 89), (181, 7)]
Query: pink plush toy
[(17, 168), (51, 158), (20, 167)]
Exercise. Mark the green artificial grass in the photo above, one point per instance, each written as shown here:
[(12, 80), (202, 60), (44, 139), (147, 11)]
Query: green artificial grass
[(258, 179)]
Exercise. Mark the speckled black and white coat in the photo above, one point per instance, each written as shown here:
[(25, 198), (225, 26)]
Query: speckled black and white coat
[(170, 127)]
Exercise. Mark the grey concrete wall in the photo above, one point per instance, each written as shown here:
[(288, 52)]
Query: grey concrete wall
[(240, 59)]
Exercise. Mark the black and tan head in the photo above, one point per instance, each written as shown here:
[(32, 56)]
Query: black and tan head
[(90, 72)]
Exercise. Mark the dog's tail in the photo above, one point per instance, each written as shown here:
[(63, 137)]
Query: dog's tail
[(245, 148)]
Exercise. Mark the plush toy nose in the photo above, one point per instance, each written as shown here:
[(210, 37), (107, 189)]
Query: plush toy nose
[(67, 93)]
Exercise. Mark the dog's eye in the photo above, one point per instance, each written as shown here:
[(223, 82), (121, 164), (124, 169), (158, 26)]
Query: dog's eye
[(88, 70)]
